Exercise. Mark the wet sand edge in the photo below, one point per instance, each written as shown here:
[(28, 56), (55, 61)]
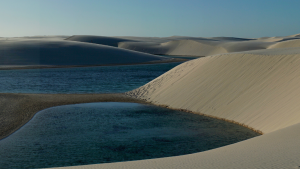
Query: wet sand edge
[(17, 109)]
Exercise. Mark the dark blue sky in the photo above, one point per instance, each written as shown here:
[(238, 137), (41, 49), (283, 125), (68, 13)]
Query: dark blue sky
[(159, 18)]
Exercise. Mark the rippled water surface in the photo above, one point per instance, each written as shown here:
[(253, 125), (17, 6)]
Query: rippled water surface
[(105, 79), (111, 132)]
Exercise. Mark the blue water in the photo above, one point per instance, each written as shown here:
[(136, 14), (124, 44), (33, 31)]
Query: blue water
[(112, 132), (107, 79)]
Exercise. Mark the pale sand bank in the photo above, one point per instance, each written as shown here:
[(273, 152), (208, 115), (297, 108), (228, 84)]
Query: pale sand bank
[(18, 109)]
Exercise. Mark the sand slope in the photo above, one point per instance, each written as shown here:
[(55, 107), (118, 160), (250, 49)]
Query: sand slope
[(32, 51), (257, 89)]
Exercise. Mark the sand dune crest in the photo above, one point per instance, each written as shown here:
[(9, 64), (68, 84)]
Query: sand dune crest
[(61, 52)]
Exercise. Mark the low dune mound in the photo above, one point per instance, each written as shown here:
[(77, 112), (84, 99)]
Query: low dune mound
[(103, 40), (238, 46), (278, 38), (43, 37), (198, 46), (230, 39), (162, 39), (182, 45), (258, 89), (145, 39), (176, 47), (36, 38), (286, 44), (287, 39), (145, 47), (296, 35), (270, 39), (61, 52), (192, 48), (185, 46)]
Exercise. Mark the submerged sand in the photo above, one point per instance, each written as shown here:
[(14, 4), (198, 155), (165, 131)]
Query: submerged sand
[(18, 109)]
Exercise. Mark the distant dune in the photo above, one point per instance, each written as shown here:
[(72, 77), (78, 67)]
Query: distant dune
[(286, 44), (196, 47), (188, 46), (102, 40), (39, 51)]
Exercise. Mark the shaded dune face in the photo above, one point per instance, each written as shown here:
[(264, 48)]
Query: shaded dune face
[(146, 47), (103, 40), (61, 52), (245, 46), (230, 39)]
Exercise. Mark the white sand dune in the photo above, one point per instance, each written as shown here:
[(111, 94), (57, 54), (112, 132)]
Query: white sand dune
[(196, 47), (188, 46), (237, 46), (176, 47), (296, 35), (53, 51), (259, 89), (286, 44), (184, 46), (201, 46)]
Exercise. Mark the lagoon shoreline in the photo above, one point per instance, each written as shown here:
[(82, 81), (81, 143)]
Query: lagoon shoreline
[(17, 67), (18, 109)]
